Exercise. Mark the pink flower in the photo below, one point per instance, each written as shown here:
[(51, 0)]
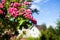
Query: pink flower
[(1, 12), (16, 4), (27, 3), (14, 14), (3, 1), (22, 10), (20, 4), (29, 11), (1, 5), (10, 10), (11, 4), (27, 16), (13, 11), (34, 21)]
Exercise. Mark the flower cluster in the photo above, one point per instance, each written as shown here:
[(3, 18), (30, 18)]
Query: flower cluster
[(16, 9), (2, 6), (13, 11), (16, 4), (27, 3), (28, 14), (1, 12), (3, 2)]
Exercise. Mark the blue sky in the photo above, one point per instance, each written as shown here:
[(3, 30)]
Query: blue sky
[(49, 11)]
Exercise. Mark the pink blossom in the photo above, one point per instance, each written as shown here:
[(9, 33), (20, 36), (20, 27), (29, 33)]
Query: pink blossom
[(11, 4), (10, 10), (26, 3), (34, 21), (20, 4), (14, 14), (13, 11), (27, 16), (29, 11), (3, 1), (1, 5), (1, 12), (22, 10), (16, 4)]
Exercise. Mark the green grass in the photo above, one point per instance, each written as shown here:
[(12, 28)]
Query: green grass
[(30, 38)]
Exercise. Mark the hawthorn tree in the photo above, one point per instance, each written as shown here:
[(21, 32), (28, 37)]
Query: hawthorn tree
[(15, 14)]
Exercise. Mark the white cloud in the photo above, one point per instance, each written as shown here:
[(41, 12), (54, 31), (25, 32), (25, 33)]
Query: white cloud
[(40, 1), (45, 1), (35, 6), (37, 1)]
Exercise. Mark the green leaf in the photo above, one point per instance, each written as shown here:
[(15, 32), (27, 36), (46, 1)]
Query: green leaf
[(21, 1), (29, 24), (14, 0), (21, 21), (7, 4)]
